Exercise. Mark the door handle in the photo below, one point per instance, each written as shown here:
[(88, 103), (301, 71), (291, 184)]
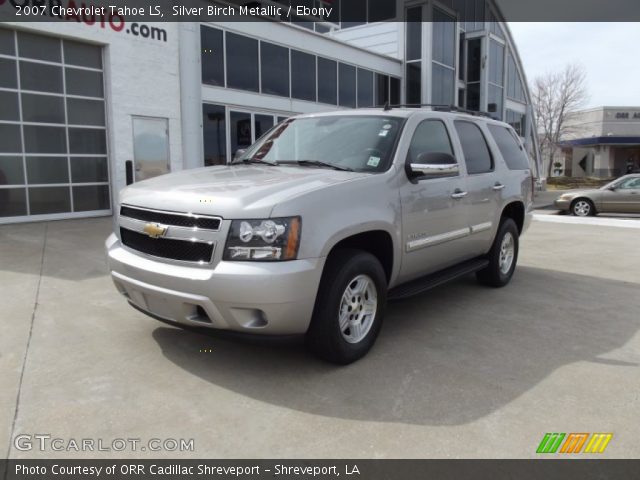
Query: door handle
[(458, 194), (498, 186)]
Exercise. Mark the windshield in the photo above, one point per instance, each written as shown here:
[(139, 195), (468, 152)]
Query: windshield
[(360, 143)]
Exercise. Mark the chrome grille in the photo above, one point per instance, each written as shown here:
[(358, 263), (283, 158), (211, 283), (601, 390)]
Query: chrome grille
[(171, 218), (184, 250)]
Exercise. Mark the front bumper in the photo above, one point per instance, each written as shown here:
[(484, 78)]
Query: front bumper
[(562, 204), (251, 297)]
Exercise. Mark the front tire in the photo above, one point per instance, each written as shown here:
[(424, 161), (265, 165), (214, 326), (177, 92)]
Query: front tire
[(583, 207), (349, 307), (502, 257)]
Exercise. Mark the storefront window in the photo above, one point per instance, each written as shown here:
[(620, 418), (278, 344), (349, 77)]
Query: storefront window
[(274, 62), (347, 89), (214, 133), (212, 56), (327, 81), (303, 76), (242, 62), (365, 88)]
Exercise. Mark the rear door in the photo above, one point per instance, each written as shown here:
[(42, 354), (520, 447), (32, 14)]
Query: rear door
[(483, 186), (434, 211)]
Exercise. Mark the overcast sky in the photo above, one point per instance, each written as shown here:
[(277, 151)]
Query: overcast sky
[(610, 53)]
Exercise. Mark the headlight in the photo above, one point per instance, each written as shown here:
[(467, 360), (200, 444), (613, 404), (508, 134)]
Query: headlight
[(271, 239)]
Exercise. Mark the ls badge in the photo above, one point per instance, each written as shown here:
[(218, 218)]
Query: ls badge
[(154, 230)]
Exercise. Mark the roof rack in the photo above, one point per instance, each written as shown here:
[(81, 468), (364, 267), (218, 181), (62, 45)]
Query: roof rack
[(438, 107)]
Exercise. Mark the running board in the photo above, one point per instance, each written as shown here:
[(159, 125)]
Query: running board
[(436, 279)]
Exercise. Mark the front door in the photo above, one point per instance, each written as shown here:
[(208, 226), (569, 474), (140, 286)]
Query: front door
[(150, 147), (434, 213), (624, 199)]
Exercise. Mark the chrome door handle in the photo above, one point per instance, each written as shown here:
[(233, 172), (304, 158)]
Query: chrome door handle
[(459, 194), (498, 186)]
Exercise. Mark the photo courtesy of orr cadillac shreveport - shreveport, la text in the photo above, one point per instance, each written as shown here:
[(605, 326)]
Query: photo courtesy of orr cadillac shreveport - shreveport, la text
[(178, 469)]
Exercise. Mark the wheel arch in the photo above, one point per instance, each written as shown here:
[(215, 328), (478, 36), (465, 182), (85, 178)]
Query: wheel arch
[(378, 242), (515, 211)]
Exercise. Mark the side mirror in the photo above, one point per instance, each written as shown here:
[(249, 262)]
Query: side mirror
[(492, 107), (433, 165), (239, 153)]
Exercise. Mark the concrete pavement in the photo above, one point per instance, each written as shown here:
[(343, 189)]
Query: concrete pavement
[(461, 371)]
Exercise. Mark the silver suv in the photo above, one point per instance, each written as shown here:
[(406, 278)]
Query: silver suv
[(326, 217)]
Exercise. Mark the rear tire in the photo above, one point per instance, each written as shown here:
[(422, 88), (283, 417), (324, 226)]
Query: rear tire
[(349, 307), (582, 207), (502, 257)]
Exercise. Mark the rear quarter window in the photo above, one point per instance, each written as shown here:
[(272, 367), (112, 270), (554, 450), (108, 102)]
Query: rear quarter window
[(514, 156)]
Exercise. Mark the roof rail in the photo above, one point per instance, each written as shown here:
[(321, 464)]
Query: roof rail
[(439, 108)]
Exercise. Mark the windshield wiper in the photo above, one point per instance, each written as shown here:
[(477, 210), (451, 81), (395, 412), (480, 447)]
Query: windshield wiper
[(320, 163), (259, 160)]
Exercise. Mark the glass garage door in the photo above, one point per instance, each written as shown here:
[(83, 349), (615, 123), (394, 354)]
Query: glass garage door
[(53, 147)]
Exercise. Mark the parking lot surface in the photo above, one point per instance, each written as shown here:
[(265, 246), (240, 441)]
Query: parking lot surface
[(461, 371)]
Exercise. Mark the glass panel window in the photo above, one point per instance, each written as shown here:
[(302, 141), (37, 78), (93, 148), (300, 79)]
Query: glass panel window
[(44, 139), (262, 124), (85, 112), (47, 170), (382, 89), (414, 95), (496, 63), (347, 85), (379, 11), (303, 76), (242, 62), (474, 146), (414, 33), (44, 200), (13, 202), (39, 47), (327, 81), (85, 140), (42, 108), (474, 58), (444, 36), (91, 197), (395, 91), (8, 73), (240, 131), (431, 136), (495, 101), (442, 85), (40, 78), (214, 133), (82, 54), (11, 171), (473, 96), (274, 61), (7, 45), (510, 149), (212, 56), (9, 106), (352, 13), (89, 169), (10, 138), (365, 88), (84, 83)]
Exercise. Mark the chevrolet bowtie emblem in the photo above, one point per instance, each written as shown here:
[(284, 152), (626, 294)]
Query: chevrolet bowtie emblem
[(154, 230)]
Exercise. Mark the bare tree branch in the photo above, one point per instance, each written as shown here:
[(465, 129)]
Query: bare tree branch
[(556, 96)]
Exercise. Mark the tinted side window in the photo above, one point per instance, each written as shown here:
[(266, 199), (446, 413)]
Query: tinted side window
[(430, 137), (475, 149), (513, 155)]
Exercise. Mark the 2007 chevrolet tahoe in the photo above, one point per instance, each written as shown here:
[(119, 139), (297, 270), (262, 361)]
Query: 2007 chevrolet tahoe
[(312, 228)]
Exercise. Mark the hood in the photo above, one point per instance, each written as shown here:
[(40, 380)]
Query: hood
[(591, 193), (238, 191)]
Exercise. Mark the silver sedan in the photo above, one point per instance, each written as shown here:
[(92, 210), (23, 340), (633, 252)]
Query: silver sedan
[(620, 196)]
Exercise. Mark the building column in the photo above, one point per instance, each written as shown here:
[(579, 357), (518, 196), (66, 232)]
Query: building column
[(191, 95)]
